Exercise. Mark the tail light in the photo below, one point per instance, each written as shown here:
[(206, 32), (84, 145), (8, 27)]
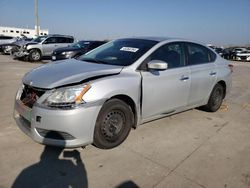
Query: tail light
[(231, 67)]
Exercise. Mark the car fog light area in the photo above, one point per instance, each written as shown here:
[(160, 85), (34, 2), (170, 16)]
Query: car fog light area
[(67, 54), (68, 97)]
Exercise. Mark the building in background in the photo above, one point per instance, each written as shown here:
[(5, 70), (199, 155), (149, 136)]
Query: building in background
[(18, 32)]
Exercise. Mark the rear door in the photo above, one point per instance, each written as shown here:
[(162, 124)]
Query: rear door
[(165, 91), (64, 42), (203, 72)]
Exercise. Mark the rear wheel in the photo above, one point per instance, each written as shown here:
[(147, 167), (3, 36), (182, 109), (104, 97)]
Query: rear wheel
[(113, 124), (215, 99), (35, 55)]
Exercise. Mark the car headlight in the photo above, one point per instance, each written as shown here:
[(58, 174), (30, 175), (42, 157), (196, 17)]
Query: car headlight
[(68, 97), (67, 53)]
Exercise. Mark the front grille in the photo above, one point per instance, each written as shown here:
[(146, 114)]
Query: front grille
[(15, 49), (243, 57), (57, 135), (30, 95)]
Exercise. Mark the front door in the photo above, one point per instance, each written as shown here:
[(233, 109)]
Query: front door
[(165, 91), (49, 45)]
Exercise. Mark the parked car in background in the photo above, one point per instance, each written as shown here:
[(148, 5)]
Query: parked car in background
[(43, 46), (100, 96), (6, 40), (226, 53), (17, 50), (243, 56), (75, 50), (14, 46), (235, 51), (219, 50)]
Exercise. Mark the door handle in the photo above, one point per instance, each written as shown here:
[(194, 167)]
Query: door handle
[(184, 78), (213, 73)]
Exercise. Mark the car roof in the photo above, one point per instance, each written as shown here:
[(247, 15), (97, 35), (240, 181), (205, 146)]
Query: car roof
[(91, 41), (157, 39), (58, 35), (161, 39)]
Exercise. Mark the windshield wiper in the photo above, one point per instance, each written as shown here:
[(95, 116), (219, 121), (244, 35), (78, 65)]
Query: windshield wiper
[(94, 60)]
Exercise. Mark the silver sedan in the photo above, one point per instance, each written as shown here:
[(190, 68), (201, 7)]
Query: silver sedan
[(100, 96)]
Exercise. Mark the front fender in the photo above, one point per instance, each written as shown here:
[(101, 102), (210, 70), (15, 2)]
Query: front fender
[(33, 46), (128, 84), (107, 87)]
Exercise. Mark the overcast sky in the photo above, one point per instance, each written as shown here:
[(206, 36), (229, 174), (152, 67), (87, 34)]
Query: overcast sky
[(219, 22)]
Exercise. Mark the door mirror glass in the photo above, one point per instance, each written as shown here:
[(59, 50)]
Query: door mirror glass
[(157, 65)]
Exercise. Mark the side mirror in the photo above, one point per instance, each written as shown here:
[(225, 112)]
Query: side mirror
[(157, 65)]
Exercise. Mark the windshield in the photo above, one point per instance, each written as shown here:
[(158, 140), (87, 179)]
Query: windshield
[(122, 52), (39, 39), (81, 44)]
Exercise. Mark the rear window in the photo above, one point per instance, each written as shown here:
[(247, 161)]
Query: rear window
[(198, 54), (68, 40)]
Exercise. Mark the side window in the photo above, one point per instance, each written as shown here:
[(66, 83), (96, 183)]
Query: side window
[(172, 54), (197, 54), (94, 45), (70, 40), (61, 40), (64, 40), (51, 40)]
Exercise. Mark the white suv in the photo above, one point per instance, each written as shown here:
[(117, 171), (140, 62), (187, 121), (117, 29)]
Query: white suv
[(43, 46)]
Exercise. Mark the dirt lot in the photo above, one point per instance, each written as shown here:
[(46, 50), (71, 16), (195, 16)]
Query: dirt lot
[(190, 149)]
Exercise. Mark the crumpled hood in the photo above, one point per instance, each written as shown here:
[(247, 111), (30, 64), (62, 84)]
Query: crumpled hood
[(66, 72), (24, 42)]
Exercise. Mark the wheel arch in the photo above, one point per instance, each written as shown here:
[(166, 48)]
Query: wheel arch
[(35, 49), (224, 85), (129, 101)]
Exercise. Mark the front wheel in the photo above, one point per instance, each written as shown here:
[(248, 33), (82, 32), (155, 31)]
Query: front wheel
[(113, 124), (35, 55), (215, 99)]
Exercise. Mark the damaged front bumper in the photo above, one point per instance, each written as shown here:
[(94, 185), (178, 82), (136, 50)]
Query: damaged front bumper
[(20, 53), (59, 127)]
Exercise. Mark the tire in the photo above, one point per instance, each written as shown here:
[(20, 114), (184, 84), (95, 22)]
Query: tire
[(215, 99), (5, 52), (113, 124), (35, 55)]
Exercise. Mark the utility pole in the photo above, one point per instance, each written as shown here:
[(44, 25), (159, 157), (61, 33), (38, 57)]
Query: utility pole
[(36, 17)]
